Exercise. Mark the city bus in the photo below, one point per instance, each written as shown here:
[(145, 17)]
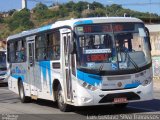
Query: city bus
[(3, 67), (82, 62)]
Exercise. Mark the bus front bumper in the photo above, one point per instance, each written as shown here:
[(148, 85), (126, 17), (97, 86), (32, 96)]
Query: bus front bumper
[(89, 98)]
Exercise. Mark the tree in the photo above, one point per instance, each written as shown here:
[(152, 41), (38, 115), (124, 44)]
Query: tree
[(80, 6), (87, 13), (70, 6), (11, 12), (96, 5), (43, 13), (40, 7), (20, 19), (99, 12), (1, 20)]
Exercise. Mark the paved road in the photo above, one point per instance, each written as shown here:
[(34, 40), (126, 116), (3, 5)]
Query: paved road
[(10, 106)]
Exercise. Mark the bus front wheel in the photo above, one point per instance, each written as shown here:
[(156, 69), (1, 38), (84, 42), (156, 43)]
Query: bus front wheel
[(23, 98), (60, 100)]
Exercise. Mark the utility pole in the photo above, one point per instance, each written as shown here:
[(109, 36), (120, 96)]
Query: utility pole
[(150, 12)]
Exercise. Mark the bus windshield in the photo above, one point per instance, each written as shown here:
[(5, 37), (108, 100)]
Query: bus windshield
[(110, 47), (2, 59)]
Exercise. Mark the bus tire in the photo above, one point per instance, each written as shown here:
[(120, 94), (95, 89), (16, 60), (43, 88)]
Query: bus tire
[(23, 98), (120, 106), (60, 100)]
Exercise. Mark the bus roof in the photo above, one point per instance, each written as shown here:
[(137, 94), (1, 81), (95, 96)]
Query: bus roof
[(74, 22)]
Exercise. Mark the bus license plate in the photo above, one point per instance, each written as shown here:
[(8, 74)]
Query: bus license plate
[(120, 100)]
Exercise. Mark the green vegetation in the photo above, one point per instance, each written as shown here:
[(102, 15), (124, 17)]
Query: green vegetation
[(41, 15), (20, 20)]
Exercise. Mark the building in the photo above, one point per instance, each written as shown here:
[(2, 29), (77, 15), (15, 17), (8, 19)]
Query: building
[(3, 45), (155, 43), (24, 4)]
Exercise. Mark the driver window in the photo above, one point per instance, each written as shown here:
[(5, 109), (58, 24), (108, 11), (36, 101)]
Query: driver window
[(123, 42), (107, 41)]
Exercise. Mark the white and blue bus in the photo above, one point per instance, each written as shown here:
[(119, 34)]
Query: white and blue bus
[(3, 67), (83, 62)]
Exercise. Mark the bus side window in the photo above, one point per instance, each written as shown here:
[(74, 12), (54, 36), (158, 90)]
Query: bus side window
[(91, 42), (53, 46), (41, 47), (21, 54), (11, 52), (30, 55), (107, 42)]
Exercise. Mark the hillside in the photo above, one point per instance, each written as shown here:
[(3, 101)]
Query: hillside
[(18, 21)]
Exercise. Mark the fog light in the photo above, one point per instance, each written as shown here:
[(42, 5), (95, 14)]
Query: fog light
[(85, 99), (87, 86), (145, 82)]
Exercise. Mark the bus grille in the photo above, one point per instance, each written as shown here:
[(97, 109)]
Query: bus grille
[(128, 95), (119, 77)]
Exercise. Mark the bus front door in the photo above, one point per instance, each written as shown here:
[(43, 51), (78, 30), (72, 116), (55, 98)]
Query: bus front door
[(31, 64), (66, 66)]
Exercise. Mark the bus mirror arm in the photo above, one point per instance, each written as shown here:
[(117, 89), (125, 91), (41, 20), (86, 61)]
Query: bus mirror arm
[(73, 48), (72, 44), (148, 38)]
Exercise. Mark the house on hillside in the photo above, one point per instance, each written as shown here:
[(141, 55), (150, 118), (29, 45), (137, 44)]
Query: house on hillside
[(3, 45), (1, 15)]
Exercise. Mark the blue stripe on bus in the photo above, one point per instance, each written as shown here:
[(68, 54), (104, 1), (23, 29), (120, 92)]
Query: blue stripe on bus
[(47, 27), (83, 22), (46, 67), (133, 85), (18, 76), (89, 78)]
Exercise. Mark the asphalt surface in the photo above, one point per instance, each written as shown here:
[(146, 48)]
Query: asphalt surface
[(11, 108)]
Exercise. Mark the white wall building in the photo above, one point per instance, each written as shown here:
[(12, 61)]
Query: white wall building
[(24, 4), (155, 38), (155, 42)]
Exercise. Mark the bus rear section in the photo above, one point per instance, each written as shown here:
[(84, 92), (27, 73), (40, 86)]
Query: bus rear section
[(3, 67)]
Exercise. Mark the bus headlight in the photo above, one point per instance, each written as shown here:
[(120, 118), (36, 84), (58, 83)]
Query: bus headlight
[(84, 84), (147, 81), (87, 86)]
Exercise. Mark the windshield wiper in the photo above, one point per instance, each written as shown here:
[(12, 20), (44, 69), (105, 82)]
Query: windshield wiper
[(131, 60), (127, 54)]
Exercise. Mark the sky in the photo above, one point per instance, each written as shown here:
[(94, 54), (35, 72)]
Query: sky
[(154, 7)]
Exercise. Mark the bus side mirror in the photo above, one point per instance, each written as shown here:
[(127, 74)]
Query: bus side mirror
[(72, 44), (148, 38), (72, 49)]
